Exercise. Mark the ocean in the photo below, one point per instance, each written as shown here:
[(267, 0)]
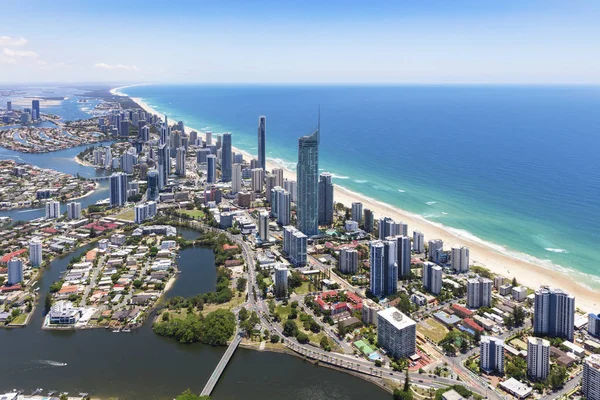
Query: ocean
[(514, 166)]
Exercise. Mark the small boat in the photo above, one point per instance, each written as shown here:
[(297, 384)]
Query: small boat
[(127, 330), (116, 331)]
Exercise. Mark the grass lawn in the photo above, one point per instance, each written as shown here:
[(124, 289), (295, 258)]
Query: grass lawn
[(432, 329), (128, 215), (20, 319), (193, 213), (268, 281), (306, 287), (235, 301), (283, 311)]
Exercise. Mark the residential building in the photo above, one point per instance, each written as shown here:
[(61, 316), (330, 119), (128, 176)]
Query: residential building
[(236, 178), (164, 165), (403, 251), (35, 252), (263, 226), (460, 259), (211, 169), (35, 109), (226, 158), (153, 186), (180, 161), (52, 209), (384, 271), (491, 350), (418, 244), (432, 278), (594, 324), (479, 292), (369, 224), (145, 211), (292, 188), (357, 212), (294, 245), (281, 281), (258, 177), (15, 271), (396, 333), (538, 358), (554, 313), (519, 293), (118, 189), (434, 250), (307, 173), (281, 205), (348, 261), (74, 210), (325, 199), (590, 382), (369, 311), (387, 227), (262, 142)]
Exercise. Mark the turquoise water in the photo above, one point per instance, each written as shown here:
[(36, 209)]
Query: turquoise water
[(515, 166)]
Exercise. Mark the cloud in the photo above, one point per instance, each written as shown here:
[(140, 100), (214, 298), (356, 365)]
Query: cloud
[(19, 53), (9, 41), (117, 67)]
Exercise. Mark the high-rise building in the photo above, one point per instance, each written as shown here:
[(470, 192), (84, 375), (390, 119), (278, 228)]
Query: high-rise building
[(348, 261), (594, 324), (418, 242), (369, 225), (292, 188), (538, 358), (9, 106), (15, 271), (153, 186), (226, 158), (460, 259), (281, 207), (180, 162), (434, 250), (479, 292), (208, 136), (35, 109), (387, 227), (325, 199), (211, 169), (491, 350), (128, 160), (369, 311), (432, 278), (278, 174), (262, 142), (307, 208), (269, 185), (396, 333), (124, 128), (553, 313), (590, 382), (145, 211), (74, 210), (53, 209), (294, 245), (357, 212), (236, 178), (144, 133), (107, 157), (257, 180), (263, 226), (118, 189), (202, 154), (164, 165), (281, 281), (35, 252), (384, 271), (403, 252)]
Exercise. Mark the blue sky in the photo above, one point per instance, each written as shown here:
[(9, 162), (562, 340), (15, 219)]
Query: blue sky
[(329, 41)]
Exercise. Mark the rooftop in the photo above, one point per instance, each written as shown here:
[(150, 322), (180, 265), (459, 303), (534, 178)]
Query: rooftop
[(396, 318)]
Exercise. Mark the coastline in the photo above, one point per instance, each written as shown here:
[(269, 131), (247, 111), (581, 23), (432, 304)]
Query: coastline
[(528, 270)]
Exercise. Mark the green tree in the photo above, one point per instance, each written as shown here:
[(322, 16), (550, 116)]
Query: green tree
[(557, 377), (137, 283), (406, 382), (243, 314), (290, 328), (188, 395), (325, 344), (241, 284), (402, 395), (514, 282), (302, 337), (275, 338)]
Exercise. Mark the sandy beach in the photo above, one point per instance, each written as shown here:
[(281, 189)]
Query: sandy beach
[(528, 270)]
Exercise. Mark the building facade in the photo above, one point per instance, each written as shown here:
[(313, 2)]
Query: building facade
[(384, 271), (281, 281), (294, 245), (590, 383), (348, 261), (118, 189), (325, 199), (262, 142), (396, 333), (553, 313), (432, 278), (460, 259), (307, 173), (491, 350), (479, 292), (538, 358)]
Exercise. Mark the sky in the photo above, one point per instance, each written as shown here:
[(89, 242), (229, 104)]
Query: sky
[(327, 41)]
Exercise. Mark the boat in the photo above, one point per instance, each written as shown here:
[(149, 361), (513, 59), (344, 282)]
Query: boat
[(116, 331), (127, 330)]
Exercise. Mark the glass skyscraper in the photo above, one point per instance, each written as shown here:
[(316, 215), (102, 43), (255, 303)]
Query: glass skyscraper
[(262, 137), (308, 184), (164, 165), (226, 158), (152, 185)]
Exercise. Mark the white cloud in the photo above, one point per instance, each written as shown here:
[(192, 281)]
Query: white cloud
[(117, 67), (9, 41), (19, 53)]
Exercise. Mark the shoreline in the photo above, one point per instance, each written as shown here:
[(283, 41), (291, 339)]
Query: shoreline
[(528, 269)]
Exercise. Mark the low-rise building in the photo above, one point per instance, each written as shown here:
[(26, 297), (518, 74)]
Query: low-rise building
[(518, 389)]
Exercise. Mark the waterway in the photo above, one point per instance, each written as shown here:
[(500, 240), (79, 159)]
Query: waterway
[(141, 365)]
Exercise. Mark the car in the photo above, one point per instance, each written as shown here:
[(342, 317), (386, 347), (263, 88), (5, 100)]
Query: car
[(421, 380)]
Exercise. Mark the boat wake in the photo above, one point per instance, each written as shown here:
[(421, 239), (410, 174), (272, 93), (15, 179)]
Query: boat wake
[(52, 363), (550, 249)]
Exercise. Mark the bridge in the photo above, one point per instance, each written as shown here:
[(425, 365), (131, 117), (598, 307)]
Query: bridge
[(214, 378), (104, 177)]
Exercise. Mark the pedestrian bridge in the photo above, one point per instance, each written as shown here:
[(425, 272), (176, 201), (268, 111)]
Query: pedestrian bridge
[(214, 378)]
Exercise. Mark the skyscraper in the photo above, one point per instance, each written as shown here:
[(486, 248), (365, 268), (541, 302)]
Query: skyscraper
[(594, 324), (553, 313), (15, 271), (479, 292), (236, 178), (153, 186), (107, 157), (388, 227), (294, 245), (538, 358), (53, 209), (281, 205), (74, 210), (369, 219), (281, 281), (35, 109), (257, 180), (396, 333), (460, 259), (432, 277), (35, 252), (491, 352), (263, 226), (211, 169), (325, 199), (434, 250), (384, 271), (348, 261), (164, 165), (308, 186), (180, 162), (262, 138), (118, 189), (226, 158), (403, 256), (590, 383), (418, 242), (357, 212)]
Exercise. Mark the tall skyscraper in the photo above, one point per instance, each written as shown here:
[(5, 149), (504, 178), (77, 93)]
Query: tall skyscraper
[(74, 210), (263, 226), (388, 227), (124, 128), (403, 256), (479, 292), (369, 219), (553, 313), (118, 189), (384, 271), (144, 133), (348, 261), (434, 250), (491, 352), (180, 162), (396, 333), (432, 277), (418, 242), (594, 325), (35, 109), (107, 157), (325, 199), (357, 212), (9, 106), (164, 165), (15, 271), (281, 205), (257, 180), (590, 383), (294, 245), (308, 184), (211, 169), (226, 158), (460, 259), (262, 142), (292, 188), (128, 160), (270, 180), (278, 173), (153, 186), (53, 209), (236, 178), (538, 358), (35, 252), (281, 281)]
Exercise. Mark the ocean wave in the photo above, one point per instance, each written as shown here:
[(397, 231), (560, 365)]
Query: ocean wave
[(402, 191), (339, 176), (444, 213), (361, 181), (430, 203), (550, 249)]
